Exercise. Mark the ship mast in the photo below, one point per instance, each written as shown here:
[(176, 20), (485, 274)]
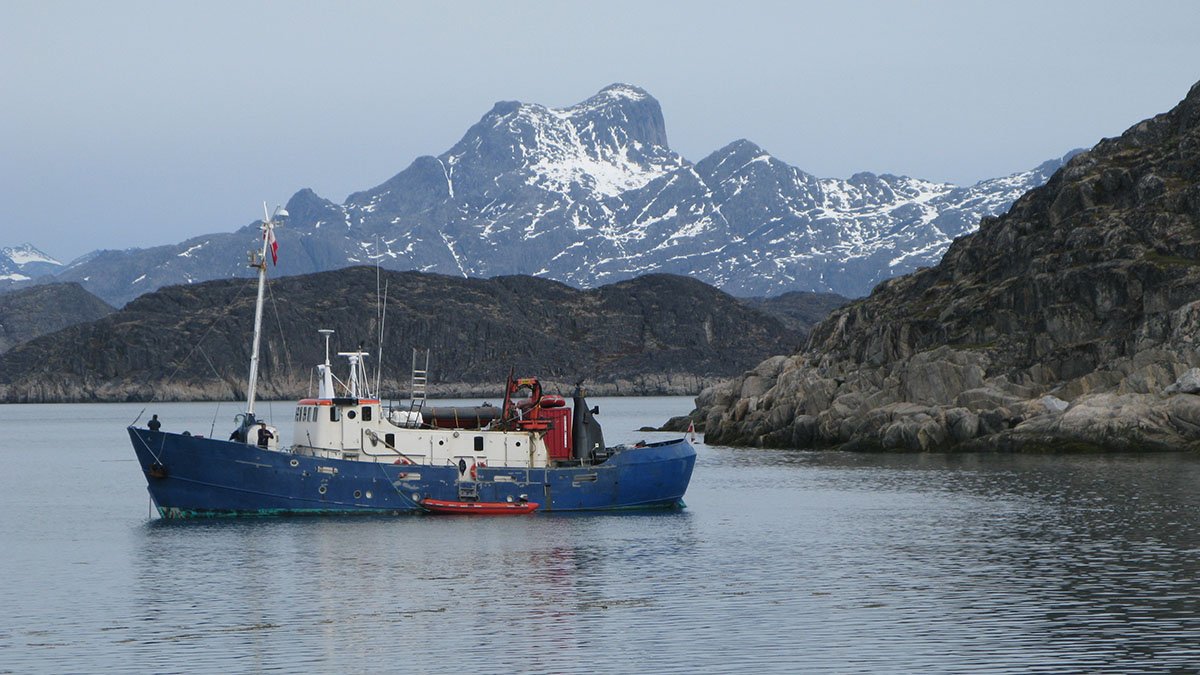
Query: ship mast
[(259, 260)]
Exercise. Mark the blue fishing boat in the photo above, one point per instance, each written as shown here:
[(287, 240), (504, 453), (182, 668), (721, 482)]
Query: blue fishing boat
[(351, 453)]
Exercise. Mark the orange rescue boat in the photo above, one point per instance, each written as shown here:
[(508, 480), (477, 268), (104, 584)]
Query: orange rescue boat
[(479, 508)]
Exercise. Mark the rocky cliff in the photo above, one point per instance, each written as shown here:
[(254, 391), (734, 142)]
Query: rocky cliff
[(28, 313), (1062, 324), (658, 334)]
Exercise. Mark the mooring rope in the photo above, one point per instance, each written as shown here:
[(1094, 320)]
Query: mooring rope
[(395, 487), (150, 449)]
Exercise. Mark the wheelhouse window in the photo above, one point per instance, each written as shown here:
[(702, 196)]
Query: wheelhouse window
[(366, 413), (334, 414)]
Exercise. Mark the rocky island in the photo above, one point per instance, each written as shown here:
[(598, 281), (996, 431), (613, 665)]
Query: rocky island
[(1071, 322)]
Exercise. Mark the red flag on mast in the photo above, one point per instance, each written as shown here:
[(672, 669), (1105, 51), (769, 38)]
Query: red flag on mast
[(274, 246)]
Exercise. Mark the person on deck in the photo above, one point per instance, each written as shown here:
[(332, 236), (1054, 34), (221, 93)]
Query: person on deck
[(264, 434), (154, 424)]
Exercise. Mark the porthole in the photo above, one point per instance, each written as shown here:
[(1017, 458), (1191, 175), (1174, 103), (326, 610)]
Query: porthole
[(369, 494), (351, 414), (295, 463), (357, 494), (321, 489), (518, 444), (441, 441)]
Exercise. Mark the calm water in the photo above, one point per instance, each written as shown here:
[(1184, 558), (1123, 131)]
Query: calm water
[(784, 561)]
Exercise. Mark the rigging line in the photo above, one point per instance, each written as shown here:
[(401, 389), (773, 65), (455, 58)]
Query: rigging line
[(217, 319), (287, 354), (150, 449), (183, 362), (377, 308), (212, 429), (380, 308), (223, 315), (210, 363), (379, 359)]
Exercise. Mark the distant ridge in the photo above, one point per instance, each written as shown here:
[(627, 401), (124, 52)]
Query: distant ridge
[(25, 262), (590, 194), (28, 313), (658, 334)]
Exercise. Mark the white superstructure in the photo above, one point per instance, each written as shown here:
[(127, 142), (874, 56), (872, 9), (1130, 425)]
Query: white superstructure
[(345, 421)]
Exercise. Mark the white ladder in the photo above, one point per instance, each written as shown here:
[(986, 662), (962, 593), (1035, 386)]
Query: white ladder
[(420, 379)]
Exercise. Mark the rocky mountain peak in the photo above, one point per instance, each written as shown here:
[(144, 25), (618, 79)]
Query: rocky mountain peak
[(621, 108), (619, 90), (744, 167), (739, 152), (24, 262)]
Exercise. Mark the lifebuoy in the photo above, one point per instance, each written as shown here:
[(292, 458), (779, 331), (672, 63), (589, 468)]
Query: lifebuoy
[(552, 401), (474, 473), (403, 460)]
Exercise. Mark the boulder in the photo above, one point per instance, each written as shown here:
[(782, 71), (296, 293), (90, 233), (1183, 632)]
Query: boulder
[(1188, 383)]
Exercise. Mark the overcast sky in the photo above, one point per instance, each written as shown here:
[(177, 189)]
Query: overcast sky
[(136, 124)]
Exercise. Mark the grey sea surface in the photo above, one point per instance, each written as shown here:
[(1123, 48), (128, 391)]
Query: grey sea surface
[(784, 561)]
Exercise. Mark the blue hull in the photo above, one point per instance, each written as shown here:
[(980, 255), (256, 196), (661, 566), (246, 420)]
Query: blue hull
[(192, 476)]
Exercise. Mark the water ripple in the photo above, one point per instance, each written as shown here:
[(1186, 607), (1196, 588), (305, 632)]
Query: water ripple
[(784, 562)]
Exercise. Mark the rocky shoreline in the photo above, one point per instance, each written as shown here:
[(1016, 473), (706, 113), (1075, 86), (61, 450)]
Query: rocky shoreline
[(1070, 323), (58, 391)]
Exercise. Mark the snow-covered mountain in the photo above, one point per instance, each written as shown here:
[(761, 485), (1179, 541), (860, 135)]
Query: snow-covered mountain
[(591, 194), (24, 262)]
